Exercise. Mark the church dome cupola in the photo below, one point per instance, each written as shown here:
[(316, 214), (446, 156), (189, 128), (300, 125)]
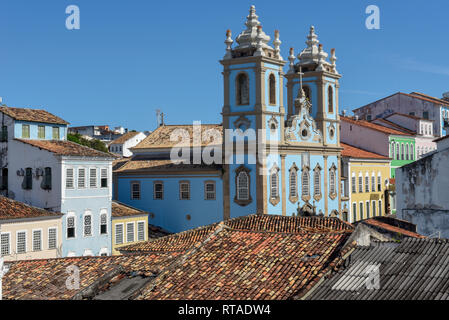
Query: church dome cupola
[(252, 41), (313, 57)]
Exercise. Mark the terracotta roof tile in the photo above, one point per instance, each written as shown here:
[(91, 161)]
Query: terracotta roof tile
[(46, 279), (390, 228), (372, 126), (11, 209), (158, 165), (66, 148), (269, 223), (395, 126), (354, 152), (236, 265), (122, 210), (125, 137), (32, 115), (160, 138)]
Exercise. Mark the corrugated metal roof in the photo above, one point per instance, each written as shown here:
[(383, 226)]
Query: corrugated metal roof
[(415, 269)]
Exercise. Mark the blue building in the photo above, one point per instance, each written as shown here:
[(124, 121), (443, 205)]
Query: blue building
[(270, 160), (41, 168)]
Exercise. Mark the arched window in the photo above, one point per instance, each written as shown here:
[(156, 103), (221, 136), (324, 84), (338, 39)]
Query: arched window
[(242, 186), (402, 151), (332, 182), (406, 151), (373, 183), (274, 180), (367, 182), (353, 183), (360, 183), (330, 99), (293, 183), (317, 182), (397, 151), (272, 88), (412, 152), (242, 89), (307, 92), (305, 183), (392, 150)]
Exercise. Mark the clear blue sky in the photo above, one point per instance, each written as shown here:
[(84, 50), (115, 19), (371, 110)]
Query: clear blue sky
[(132, 57)]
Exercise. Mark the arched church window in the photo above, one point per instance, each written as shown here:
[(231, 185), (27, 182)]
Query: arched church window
[(402, 151), (272, 88), (242, 186), (305, 183), (317, 182), (274, 180), (406, 152), (397, 151), (293, 184), (306, 92), (242, 89), (332, 182), (330, 99)]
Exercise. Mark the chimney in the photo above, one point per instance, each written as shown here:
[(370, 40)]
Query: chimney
[(356, 118), (1, 100), (445, 96), (343, 113)]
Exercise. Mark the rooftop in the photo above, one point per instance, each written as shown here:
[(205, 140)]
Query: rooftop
[(11, 209), (160, 138), (32, 115), (135, 164), (122, 210), (373, 126), (125, 137), (415, 269), (253, 257), (390, 228), (387, 123), (408, 116), (66, 148), (354, 152)]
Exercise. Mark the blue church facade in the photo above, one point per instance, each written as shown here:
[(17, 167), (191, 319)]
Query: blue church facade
[(273, 160)]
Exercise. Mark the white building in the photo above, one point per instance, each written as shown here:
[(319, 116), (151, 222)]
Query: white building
[(422, 192), (421, 128), (414, 104), (121, 146)]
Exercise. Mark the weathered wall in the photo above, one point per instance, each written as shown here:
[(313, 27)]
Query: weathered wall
[(422, 193)]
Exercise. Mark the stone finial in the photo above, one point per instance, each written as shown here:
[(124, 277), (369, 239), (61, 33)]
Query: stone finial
[(321, 59), (248, 38), (291, 58), (333, 59), (228, 43), (259, 52), (277, 44)]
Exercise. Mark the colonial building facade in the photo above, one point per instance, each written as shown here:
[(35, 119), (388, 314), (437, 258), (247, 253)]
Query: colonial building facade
[(300, 174)]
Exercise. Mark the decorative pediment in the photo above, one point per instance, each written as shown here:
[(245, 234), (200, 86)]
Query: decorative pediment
[(302, 127), (242, 123), (273, 123)]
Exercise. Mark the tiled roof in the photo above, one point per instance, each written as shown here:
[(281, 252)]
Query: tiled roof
[(387, 123), (46, 279), (235, 265), (66, 148), (32, 115), (407, 116), (122, 210), (392, 229), (158, 165), (255, 257), (354, 152), (426, 97), (415, 269), (268, 223), (372, 126), (125, 137), (160, 138), (11, 209)]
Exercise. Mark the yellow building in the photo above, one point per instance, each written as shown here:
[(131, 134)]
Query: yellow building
[(129, 226), (365, 175), (28, 232)]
